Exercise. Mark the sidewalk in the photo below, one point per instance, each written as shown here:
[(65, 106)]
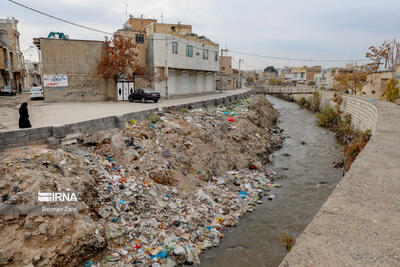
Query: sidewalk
[(55, 114)]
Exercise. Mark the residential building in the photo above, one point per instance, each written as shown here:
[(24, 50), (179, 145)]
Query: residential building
[(311, 72), (269, 75), (331, 73), (70, 71), (139, 24), (236, 79), (32, 75), (138, 36), (11, 58), (376, 82), (320, 79), (227, 78), (299, 75), (182, 61)]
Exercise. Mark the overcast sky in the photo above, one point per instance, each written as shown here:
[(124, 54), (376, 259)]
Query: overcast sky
[(305, 29)]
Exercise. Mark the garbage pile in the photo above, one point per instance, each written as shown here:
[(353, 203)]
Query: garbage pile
[(158, 192), (46, 240)]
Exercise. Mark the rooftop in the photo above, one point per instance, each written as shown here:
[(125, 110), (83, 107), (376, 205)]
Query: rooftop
[(36, 41)]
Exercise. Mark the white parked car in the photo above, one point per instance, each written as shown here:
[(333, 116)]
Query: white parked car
[(36, 93), (7, 90)]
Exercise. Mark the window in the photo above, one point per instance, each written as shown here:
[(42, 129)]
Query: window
[(223, 67), (373, 92), (189, 50), (205, 53), (139, 38), (174, 47), (216, 56)]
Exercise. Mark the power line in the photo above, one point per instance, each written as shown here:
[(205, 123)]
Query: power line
[(297, 59), (56, 18), (177, 39)]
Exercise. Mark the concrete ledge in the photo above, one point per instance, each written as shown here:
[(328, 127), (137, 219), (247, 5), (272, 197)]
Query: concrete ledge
[(53, 134), (359, 224)]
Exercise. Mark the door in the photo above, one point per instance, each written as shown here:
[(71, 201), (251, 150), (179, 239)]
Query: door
[(131, 87), (119, 92), (126, 91)]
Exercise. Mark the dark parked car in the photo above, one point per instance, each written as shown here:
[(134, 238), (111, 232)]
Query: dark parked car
[(144, 94)]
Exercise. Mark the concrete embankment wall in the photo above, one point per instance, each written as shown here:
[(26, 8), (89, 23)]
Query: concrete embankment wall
[(359, 224), (363, 112), (56, 134)]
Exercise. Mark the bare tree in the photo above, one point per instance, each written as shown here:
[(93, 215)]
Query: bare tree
[(387, 54)]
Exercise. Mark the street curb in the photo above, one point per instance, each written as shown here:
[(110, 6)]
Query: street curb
[(54, 134)]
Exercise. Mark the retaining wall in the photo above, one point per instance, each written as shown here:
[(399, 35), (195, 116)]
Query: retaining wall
[(359, 224), (55, 134), (363, 112)]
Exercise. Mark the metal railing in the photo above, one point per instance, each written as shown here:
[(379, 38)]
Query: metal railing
[(269, 89)]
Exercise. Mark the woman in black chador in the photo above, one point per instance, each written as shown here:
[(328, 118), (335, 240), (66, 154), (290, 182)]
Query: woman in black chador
[(24, 116)]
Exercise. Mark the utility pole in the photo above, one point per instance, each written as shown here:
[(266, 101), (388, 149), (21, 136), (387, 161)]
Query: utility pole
[(221, 73), (126, 12), (166, 67), (240, 78), (222, 52)]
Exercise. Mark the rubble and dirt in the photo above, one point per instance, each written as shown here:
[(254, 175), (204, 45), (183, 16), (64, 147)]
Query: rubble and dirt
[(157, 192)]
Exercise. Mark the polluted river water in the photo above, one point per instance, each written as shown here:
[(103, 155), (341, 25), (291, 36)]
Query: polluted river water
[(305, 161)]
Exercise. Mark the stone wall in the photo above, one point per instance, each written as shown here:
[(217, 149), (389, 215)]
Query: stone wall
[(359, 224), (56, 134)]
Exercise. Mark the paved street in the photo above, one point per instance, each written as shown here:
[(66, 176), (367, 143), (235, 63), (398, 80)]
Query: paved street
[(54, 114)]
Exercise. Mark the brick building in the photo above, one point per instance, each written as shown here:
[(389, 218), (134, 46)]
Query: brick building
[(11, 58)]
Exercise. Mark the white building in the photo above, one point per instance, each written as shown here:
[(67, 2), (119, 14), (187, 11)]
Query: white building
[(33, 75), (182, 63), (320, 80)]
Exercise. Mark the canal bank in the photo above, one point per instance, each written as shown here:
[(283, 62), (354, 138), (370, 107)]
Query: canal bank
[(306, 162), (359, 224)]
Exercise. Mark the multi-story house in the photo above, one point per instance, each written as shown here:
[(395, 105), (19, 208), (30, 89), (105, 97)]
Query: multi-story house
[(330, 77), (11, 58), (33, 75), (182, 62), (320, 79), (376, 82), (225, 64), (311, 72), (134, 28), (227, 78), (299, 75)]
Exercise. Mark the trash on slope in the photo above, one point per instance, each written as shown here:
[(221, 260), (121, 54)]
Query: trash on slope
[(163, 190)]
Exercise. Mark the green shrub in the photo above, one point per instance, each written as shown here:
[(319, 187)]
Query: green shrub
[(344, 131), (183, 110), (154, 118), (327, 117), (391, 92), (302, 101)]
